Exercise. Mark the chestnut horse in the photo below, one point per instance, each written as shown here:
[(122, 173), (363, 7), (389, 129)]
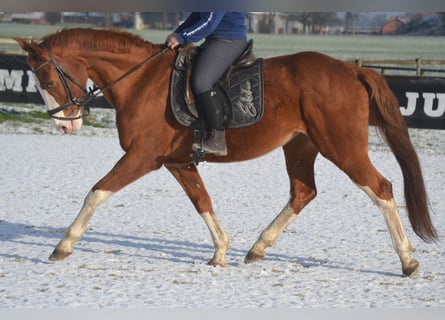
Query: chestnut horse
[(313, 104)]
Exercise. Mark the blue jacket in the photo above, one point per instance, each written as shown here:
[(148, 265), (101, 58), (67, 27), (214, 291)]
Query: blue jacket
[(222, 25)]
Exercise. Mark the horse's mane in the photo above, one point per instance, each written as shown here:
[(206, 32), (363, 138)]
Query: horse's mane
[(95, 40)]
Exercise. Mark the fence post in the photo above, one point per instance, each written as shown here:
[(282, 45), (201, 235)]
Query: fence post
[(419, 66)]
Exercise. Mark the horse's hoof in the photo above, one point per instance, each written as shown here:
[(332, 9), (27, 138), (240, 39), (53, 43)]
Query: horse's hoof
[(411, 269), (253, 257), (58, 255), (216, 263)]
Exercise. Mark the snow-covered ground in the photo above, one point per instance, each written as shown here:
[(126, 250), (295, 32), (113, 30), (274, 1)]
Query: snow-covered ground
[(147, 247)]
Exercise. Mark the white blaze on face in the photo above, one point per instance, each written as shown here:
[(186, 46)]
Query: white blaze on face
[(64, 126)]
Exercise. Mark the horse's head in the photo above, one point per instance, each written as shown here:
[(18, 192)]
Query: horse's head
[(61, 87)]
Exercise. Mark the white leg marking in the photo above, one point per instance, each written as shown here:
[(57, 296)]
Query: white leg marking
[(79, 225), (270, 235), (398, 236), (220, 239)]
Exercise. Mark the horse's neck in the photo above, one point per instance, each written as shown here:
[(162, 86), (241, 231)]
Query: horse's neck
[(119, 75), (103, 69), (106, 68)]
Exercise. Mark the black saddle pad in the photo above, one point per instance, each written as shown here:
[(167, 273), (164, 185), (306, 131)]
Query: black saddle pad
[(242, 89)]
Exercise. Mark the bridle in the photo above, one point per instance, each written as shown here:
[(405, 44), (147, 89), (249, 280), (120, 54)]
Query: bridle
[(89, 94)]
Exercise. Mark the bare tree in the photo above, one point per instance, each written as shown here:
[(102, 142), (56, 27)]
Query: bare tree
[(350, 22), (319, 19), (53, 17), (266, 24)]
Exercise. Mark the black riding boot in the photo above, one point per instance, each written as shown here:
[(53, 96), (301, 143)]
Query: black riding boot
[(213, 113)]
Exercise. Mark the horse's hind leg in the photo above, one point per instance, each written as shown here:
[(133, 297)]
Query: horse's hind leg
[(352, 157), (399, 239), (300, 154), (190, 180)]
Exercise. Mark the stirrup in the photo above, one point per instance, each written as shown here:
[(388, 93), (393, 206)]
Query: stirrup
[(199, 136), (201, 149)]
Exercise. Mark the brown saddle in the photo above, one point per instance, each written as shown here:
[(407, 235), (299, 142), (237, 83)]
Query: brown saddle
[(241, 88)]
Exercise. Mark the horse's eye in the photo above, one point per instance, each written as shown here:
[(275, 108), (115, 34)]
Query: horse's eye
[(50, 84)]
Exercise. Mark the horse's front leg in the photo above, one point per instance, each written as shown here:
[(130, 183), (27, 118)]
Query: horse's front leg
[(79, 225), (129, 168), (191, 182)]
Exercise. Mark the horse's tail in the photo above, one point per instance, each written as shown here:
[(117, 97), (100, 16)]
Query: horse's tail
[(385, 114)]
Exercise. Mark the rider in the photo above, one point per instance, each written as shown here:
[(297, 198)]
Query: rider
[(225, 40)]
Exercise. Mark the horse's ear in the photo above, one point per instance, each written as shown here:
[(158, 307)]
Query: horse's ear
[(29, 46), (22, 43)]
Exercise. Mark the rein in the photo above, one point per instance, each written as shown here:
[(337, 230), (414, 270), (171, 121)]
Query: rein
[(92, 93)]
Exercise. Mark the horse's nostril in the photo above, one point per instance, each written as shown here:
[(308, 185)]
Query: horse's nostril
[(63, 129)]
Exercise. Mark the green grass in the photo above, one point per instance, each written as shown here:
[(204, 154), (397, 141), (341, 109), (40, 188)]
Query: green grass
[(9, 30), (88, 121), (30, 115), (353, 47), (345, 47), (25, 117)]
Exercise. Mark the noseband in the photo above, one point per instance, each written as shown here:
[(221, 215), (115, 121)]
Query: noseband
[(89, 94)]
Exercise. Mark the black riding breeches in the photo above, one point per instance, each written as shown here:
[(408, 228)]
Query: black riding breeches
[(214, 59)]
